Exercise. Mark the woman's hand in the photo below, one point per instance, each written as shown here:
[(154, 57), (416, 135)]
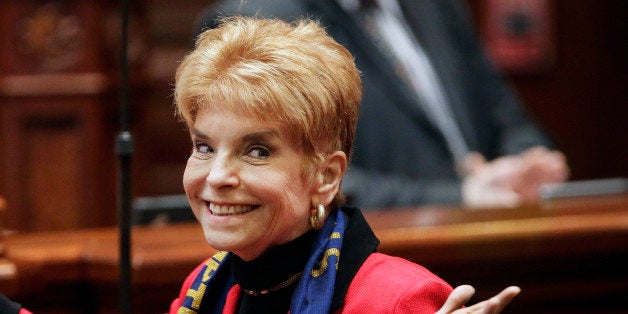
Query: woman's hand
[(462, 294)]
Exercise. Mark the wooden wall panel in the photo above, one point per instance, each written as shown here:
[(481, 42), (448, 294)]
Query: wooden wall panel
[(53, 190), (57, 158), (56, 119)]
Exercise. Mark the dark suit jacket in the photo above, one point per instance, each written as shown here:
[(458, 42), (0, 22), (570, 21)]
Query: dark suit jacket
[(400, 158)]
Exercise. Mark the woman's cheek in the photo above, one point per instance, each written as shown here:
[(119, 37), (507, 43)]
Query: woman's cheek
[(192, 175)]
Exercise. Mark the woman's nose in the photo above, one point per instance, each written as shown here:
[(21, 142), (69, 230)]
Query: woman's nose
[(223, 174)]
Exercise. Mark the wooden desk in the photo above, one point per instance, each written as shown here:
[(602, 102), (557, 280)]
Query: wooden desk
[(567, 255), (7, 268)]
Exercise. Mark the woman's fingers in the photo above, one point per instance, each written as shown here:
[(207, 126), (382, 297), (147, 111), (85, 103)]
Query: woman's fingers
[(462, 294), (457, 298), (499, 302)]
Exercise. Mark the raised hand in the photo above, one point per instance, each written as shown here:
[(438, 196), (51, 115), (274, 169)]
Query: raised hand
[(462, 294)]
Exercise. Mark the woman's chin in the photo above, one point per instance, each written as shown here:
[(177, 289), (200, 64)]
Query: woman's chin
[(232, 243), (226, 232)]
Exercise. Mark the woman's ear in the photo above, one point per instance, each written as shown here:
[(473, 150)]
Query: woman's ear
[(329, 177)]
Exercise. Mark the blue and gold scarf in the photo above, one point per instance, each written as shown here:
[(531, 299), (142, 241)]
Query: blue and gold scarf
[(313, 293)]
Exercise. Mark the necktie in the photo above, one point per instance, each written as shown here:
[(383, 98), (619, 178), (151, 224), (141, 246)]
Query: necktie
[(384, 22)]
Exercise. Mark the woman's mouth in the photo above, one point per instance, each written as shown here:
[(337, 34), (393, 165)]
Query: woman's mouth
[(227, 210)]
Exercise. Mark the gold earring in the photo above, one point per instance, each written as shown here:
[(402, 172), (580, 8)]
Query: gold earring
[(317, 216)]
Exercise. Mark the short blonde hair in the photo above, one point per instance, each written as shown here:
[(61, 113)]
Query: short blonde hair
[(290, 72)]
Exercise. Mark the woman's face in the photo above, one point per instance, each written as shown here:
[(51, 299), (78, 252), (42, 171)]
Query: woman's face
[(244, 183)]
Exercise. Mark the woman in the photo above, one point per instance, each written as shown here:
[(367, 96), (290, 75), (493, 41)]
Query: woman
[(271, 108)]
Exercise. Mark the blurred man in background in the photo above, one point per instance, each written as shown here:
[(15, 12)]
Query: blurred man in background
[(438, 124)]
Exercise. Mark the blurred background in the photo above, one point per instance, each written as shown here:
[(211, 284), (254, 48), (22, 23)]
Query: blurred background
[(59, 87), (59, 109)]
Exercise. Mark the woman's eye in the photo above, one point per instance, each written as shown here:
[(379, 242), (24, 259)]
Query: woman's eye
[(202, 148), (258, 152)]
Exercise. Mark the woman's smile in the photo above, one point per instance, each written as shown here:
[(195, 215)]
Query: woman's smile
[(228, 210)]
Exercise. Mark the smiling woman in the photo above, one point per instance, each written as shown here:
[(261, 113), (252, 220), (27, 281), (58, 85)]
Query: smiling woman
[(272, 109), (246, 186)]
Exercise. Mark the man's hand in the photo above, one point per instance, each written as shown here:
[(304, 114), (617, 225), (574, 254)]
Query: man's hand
[(510, 180)]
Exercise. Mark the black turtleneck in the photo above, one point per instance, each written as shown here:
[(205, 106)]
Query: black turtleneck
[(271, 269)]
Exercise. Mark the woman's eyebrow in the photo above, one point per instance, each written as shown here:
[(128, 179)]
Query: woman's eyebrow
[(263, 134), (198, 133), (251, 137)]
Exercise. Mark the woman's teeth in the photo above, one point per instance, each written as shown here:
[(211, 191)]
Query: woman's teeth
[(230, 209)]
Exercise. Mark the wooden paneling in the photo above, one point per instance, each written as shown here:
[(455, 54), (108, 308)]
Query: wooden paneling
[(56, 115), (56, 160), (42, 36)]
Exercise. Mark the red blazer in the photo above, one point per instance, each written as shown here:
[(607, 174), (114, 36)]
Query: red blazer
[(383, 284)]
